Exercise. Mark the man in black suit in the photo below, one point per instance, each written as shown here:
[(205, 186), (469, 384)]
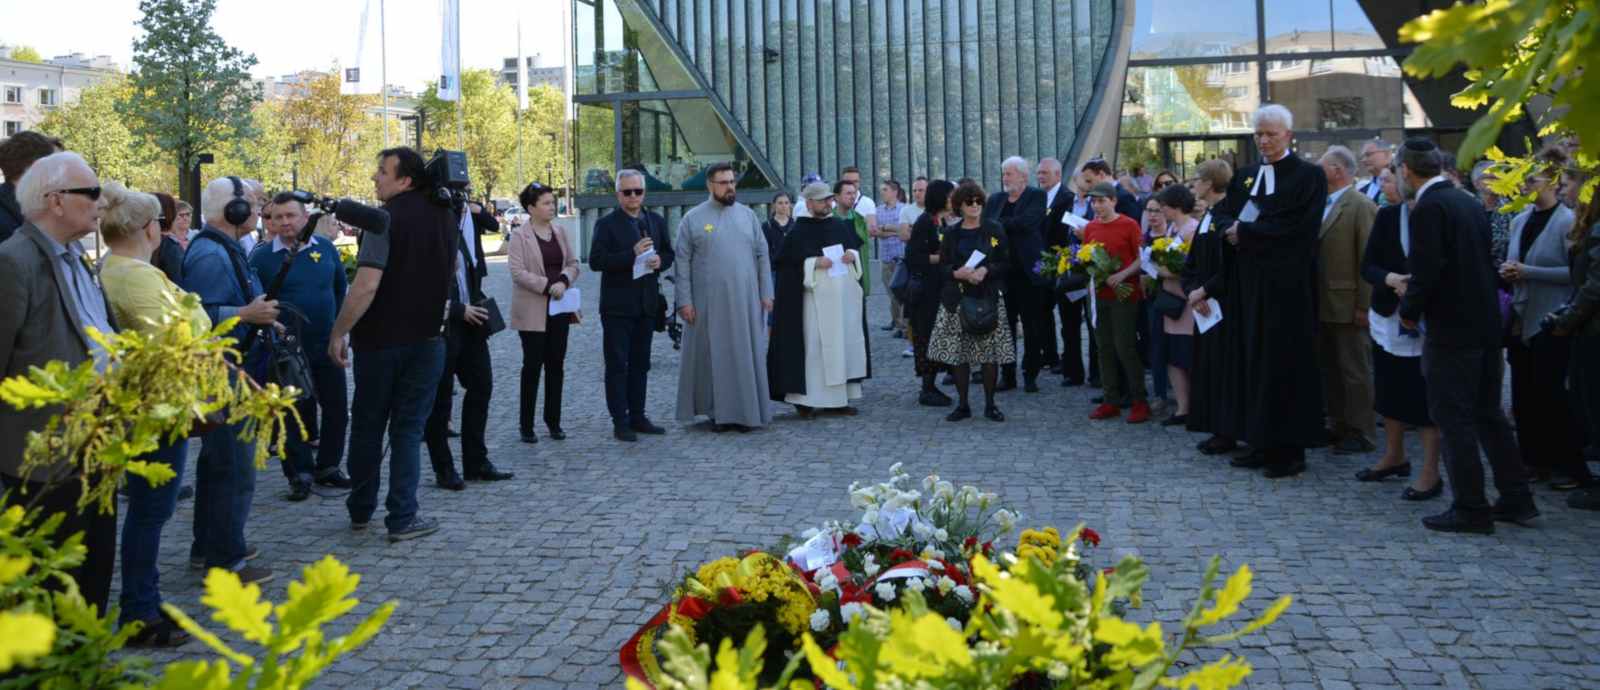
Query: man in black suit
[(630, 307), (1019, 209), (467, 360), (1097, 170), (1451, 291), (1059, 202)]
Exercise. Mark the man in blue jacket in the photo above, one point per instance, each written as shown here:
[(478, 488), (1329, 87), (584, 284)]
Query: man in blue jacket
[(215, 268), (312, 288)]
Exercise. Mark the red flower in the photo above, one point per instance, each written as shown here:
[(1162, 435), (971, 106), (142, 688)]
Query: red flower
[(851, 540), (988, 548), (970, 543), (731, 597), (1090, 536), (899, 556), (1110, 571)]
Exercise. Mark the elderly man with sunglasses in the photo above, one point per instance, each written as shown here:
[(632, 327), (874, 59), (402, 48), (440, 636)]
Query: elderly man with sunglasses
[(50, 298)]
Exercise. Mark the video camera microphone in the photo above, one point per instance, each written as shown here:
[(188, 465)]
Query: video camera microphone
[(353, 213)]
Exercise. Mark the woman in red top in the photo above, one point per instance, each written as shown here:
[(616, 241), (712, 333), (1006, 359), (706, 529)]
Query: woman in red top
[(1120, 369)]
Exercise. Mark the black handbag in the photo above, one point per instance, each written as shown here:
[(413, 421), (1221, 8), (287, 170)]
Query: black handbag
[(496, 321), (904, 284), (287, 365), (979, 314), (1168, 304)]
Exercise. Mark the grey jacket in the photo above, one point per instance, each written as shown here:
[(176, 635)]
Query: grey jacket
[(36, 326), (1547, 277)]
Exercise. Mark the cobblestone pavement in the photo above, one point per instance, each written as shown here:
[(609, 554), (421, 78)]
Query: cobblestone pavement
[(535, 582)]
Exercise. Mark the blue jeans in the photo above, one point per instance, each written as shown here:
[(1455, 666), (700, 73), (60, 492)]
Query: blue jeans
[(395, 387), (225, 482), (330, 404), (149, 508)]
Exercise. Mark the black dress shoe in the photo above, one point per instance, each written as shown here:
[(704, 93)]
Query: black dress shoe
[(645, 426), (1452, 521), (452, 433), (961, 412), (530, 437), (1520, 512), (1098, 399), (623, 433), (802, 411), (1280, 471), (451, 481), (335, 479), (889, 327), (1030, 384), (1069, 383), (556, 434), (1371, 475), (488, 473), (994, 414), (1176, 420), (1411, 494), (933, 398), (1255, 460), (298, 491)]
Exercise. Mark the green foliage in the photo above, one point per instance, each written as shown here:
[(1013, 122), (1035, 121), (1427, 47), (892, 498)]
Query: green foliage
[(26, 54), (1036, 625), (262, 153), (94, 126), (339, 136), (546, 153), (488, 127), (156, 387), (1517, 52), (191, 91)]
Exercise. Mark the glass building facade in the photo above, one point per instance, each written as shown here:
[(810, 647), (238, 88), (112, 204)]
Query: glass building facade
[(783, 88)]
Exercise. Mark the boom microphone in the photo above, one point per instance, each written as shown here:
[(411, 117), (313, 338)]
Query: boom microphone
[(361, 216)]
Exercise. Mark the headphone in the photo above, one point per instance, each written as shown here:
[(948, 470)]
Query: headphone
[(238, 210)]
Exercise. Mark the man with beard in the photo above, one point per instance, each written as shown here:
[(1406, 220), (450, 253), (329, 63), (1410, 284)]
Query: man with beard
[(1279, 206), (818, 356), (723, 289)]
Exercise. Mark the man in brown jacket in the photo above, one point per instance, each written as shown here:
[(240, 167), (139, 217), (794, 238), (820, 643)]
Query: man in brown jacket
[(1344, 350)]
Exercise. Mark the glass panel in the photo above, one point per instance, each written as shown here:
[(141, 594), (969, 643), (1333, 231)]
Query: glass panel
[(954, 155), (1351, 28), (937, 86), (1027, 82), (1341, 93), (866, 82), (596, 145), (1185, 28), (1190, 99), (973, 86), (846, 71), (827, 90), (619, 50), (584, 31), (790, 38), (918, 91), (1007, 62), (889, 93), (1298, 26), (674, 141), (1133, 152)]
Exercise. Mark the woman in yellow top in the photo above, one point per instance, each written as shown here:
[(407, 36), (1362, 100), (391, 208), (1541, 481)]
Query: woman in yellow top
[(137, 293)]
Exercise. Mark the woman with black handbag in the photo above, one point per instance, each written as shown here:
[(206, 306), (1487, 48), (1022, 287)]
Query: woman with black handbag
[(971, 328), (924, 263), (1171, 303)]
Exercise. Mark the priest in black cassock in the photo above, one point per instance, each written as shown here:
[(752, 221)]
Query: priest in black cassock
[(1279, 204), (813, 363), (1211, 278)]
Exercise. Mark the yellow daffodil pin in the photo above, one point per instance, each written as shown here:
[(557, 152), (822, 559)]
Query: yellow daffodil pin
[(993, 243), (316, 257), (708, 227)]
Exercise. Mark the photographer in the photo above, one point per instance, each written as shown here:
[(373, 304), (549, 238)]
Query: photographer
[(466, 359), (215, 268), (313, 284), (394, 326)]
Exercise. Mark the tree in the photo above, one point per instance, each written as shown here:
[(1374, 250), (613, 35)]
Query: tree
[(546, 153), (490, 129), (26, 54), (93, 126), (338, 136), (260, 151), (1517, 53), (191, 91)]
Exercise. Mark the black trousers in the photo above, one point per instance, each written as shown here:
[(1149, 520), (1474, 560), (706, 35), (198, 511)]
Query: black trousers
[(466, 360), (1548, 432), (1031, 306), (627, 344), (99, 531), (544, 353), (1464, 401), (1072, 320)]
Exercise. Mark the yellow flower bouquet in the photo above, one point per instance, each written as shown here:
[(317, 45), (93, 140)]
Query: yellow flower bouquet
[(1100, 264), (1169, 253)]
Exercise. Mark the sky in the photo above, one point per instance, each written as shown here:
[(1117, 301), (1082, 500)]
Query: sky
[(287, 36)]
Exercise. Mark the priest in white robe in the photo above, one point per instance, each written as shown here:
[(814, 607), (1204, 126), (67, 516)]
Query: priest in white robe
[(818, 356)]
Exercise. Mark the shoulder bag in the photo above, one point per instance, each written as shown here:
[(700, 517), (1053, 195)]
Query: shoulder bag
[(979, 313)]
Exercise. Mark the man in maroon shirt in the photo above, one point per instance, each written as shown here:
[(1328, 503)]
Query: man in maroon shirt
[(1117, 318)]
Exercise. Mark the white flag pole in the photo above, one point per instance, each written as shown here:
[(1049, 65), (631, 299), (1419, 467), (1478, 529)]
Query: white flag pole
[(383, 69)]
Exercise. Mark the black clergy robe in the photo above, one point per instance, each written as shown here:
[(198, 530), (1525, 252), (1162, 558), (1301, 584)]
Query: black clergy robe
[(786, 351), (1277, 313), (1216, 390)]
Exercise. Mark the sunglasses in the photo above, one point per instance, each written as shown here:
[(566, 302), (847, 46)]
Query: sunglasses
[(973, 202), (631, 192), (92, 192)]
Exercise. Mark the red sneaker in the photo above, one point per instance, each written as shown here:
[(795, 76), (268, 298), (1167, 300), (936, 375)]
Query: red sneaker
[(1106, 411), (1140, 413)]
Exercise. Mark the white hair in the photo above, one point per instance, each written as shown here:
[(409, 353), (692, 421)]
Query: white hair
[(1051, 163), (216, 196), (629, 172), (1342, 157), (1272, 113), (46, 175), (1017, 163)]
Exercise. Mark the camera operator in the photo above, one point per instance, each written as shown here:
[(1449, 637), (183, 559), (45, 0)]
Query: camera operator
[(466, 359), (215, 268), (394, 326), (314, 285)]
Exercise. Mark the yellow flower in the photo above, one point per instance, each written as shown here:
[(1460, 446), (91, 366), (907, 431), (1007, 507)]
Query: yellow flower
[(993, 242), (1063, 264), (708, 227), (316, 257), (1162, 243)]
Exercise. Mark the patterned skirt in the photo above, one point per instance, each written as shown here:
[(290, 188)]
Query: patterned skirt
[(953, 346)]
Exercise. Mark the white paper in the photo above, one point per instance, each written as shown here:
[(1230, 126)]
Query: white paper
[(1203, 322), (1076, 221), (569, 303), (1077, 295), (976, 258), (1147, 264), (835, 254), (1249, 213), (640, 264), (819, 551), (1094, 314)]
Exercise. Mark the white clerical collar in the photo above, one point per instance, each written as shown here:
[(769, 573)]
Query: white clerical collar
[(1424, 190), (1266, 183)]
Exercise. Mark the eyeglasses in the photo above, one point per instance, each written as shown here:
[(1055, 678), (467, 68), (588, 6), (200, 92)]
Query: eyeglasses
[(631, 192), (92, 192), (972, 202)]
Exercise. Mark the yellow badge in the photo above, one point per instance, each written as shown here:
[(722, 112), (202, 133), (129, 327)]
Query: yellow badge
[(316, 257), (993, 243), (708, 227)]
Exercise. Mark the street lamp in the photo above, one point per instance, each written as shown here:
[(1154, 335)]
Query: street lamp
[(194, 186), (294, 166)]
